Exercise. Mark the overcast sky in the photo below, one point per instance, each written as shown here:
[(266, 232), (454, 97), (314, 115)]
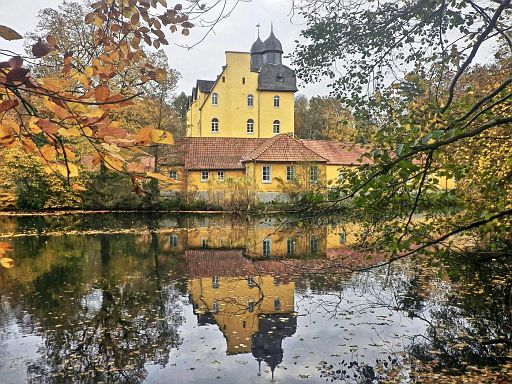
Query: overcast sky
[(205, 61)]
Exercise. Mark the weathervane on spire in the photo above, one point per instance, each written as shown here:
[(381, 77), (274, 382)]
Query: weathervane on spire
[(258, 26)]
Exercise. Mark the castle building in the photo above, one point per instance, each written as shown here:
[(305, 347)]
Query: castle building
[(240, 126), (253, 96)]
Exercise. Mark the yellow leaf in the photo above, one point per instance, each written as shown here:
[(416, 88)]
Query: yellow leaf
[(76, 187), (6, 262), (113, 163), (33, 127), (69, 132), (158, 176), (89, 71), (48, 152), (161, 137), (60, 112)]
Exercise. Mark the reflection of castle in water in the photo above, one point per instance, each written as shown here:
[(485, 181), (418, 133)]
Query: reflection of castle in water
[(251, 302)]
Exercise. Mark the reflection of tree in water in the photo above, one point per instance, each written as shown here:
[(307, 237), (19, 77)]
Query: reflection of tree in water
[(110, 332), (473, 327)]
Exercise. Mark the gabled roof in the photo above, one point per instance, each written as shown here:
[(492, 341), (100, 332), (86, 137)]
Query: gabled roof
[(205, 85), (338, 153), (283, 148), (216, 153)]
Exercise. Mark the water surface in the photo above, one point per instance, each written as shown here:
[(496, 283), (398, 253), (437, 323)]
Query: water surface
[(205, 299)]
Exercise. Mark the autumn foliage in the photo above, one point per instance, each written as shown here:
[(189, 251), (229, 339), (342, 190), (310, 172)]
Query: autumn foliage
[(50, 116)]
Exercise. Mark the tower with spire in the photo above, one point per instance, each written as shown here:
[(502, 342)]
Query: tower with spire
[(253, 96)]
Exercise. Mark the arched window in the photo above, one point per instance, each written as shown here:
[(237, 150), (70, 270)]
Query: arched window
[(250, 101), (215, 125), (276, 126), (250, 126), (277, 101), (215, 98)]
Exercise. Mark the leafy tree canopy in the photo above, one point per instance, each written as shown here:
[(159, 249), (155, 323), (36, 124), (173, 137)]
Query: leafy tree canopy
[(430, 83)]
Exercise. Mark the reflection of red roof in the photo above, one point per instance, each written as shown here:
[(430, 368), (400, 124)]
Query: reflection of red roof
[(230, 263), (283, 148), (338, 153)]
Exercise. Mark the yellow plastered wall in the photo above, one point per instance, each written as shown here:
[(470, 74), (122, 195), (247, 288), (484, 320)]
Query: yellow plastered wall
[(194, 178), (180, 185), (268, 113), (278, 171), (233, 86), (235, 321)]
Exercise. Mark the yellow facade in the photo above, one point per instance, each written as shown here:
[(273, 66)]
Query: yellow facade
[(231, 108), (238, 317)]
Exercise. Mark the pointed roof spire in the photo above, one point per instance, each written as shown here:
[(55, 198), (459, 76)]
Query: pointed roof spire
[(272, 43), (257, 46)]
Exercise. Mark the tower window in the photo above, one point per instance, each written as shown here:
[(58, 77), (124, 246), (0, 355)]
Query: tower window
[(250, 126), (243, 80), (215, 125), (223, 79), (276, 126), (277, 101), (215, 99), (250, 101)]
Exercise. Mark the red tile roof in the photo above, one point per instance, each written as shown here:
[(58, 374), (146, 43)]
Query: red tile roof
[(338, 153), (211, 153), (283, 148)]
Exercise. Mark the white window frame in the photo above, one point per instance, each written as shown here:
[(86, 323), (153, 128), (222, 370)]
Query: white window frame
[(250, 101), (277, 101), (215, 98), (313, 174), (290, 247), (269, 180), (250, 123), (203, 178), (266, 248), (215, 125), (276, 127), (290, 173), (220, 175), (173, 174)]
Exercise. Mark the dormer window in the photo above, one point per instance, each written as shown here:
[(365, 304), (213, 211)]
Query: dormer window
[(277, 101), (250, 101), (215, 99)]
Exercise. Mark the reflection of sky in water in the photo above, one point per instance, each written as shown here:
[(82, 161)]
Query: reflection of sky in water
[(358, 317), (363, 329)]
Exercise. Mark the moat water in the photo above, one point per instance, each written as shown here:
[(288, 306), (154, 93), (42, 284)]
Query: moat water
[(221, 299)]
